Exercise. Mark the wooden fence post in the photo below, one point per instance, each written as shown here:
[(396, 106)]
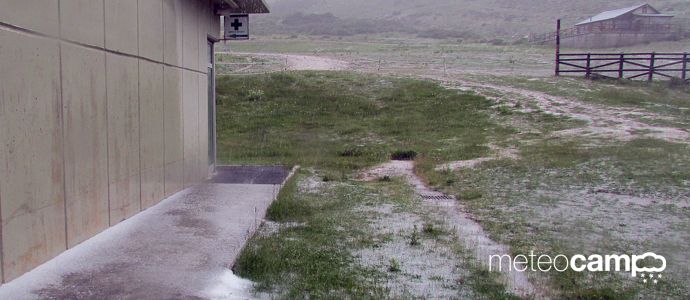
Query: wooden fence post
[(589, 65), (684, 74), (651, 66), (558, 47), (620, 66)]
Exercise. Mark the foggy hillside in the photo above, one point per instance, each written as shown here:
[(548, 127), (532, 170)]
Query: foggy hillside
[(439, 18)]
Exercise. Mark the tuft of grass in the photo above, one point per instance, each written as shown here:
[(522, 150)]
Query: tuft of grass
[(414, 237), (394, 266), (432, 231)]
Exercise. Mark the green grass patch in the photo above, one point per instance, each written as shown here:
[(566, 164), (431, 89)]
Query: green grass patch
[(313, 260), (344, 121), (288, 207), (340, 122)]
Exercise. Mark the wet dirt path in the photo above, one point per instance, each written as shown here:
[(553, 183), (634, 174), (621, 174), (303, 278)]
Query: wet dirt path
[(473, 236), (602, 122), (294, 62)]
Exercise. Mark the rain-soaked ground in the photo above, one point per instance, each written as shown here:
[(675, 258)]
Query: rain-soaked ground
[(182, 248)]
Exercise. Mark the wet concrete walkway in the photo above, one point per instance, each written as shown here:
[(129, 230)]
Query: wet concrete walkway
[(181, 248)]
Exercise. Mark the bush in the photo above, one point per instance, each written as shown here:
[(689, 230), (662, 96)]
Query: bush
[(394, 266), (255, 95)]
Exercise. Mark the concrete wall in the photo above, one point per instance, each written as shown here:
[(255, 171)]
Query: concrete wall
[(103, 113)]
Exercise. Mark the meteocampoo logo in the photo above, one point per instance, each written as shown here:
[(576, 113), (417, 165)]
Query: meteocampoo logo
[(648, 266)]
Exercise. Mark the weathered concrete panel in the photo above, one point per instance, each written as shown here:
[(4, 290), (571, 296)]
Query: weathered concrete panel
[(174, 176), (36, 15), (82, 21), (152, 188), (204, 24), (214, 30), (172, 32), (2, 160), (31, 170), (151, 29), (123, 137), (190, 35), (86, 143), (121, 26), (203, 127), (151, 103), (190, 104)]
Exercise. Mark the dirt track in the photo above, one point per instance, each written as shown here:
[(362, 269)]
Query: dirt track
[(296, 62), (602, 122), (474, 238)]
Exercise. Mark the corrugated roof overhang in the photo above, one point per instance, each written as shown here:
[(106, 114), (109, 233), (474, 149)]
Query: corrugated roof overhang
[(229, 7)]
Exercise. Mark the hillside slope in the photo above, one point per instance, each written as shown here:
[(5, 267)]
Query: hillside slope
[(485, 18)]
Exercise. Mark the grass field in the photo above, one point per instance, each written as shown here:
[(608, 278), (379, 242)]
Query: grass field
[(264, 118), (560, 195), (402, 54), (486, 19)]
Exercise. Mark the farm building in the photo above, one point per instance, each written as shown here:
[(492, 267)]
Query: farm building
[(641, 18), (621, 27), (107, 107)]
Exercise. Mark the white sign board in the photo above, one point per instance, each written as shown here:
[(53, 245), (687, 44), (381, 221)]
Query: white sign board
[(236, 27)]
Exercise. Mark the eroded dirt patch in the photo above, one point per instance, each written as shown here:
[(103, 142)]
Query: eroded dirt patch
[(429, 269), (500, 153), (295, 62), (602, 122), (473, 236)]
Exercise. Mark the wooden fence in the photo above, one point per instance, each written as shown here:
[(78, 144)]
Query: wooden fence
[(625, 65)]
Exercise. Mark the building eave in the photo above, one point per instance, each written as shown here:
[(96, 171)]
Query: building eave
[(243, 7)]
